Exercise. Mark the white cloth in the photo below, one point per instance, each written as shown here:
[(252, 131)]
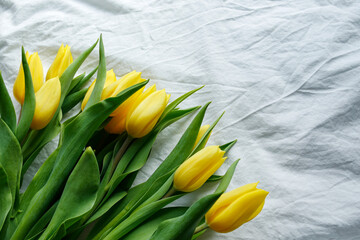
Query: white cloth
[(286, 73)]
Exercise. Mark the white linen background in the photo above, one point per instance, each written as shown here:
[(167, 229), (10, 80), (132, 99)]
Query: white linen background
[(285, 72)]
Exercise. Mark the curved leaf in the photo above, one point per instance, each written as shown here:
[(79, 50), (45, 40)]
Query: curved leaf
[(78, 197), (5, 196), (10, 158)]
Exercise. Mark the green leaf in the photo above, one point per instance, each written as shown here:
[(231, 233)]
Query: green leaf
[(83, 81), (73, 99), (215, 178), (135, 156), (183, 227), (173, 116), (5, 197), (78, 197), (176, 102), (146, 229), (40, 226), (195, 236), (140, 193), (101, 77), (7, 111), (227, 146), (115, 198), (227, 178), (10, 159), (71, 146), (202, 142), (28, 109), (138, 217), (38, 181), (75, 81), (37, 140), (68, 75)]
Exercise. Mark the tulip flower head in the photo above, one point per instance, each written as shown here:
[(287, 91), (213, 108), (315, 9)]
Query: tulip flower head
[(36, 70), (117, 124), (196, 170), (123, 83), (62, 60), (201, 133), (146, 111), (235, 208), (47, 102)]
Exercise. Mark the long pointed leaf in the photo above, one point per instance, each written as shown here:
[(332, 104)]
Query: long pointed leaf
[(27, 110), (138, 217), (100, 79), (7, 111)]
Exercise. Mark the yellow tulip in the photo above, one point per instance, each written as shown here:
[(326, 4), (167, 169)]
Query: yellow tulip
[(62, 60), (196, 170), (47, 102), (110, 79), (37, 75), (235, 208), (201, 133), (117, 124), (145, 113)]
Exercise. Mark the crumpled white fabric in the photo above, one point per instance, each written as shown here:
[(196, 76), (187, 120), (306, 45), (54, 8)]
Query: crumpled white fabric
[(286, 73)]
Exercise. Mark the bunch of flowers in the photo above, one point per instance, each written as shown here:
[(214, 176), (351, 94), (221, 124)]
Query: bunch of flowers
[(84, 189)]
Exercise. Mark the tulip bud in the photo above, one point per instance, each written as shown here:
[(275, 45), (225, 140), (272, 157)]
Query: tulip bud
[(196, 170), (235, 208), (201, 133), (36, 70), (117, 124), (47, 102), (110, 79), (147, 110), (62, 60)]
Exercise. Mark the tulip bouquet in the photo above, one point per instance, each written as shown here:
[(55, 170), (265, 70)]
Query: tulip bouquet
[(84, 189)]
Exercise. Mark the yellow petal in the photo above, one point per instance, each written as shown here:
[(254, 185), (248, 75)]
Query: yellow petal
[(54, 68), (36, 71), (144, 116), (227, 198), (65, 61), (201, 133), (117, 124), (47, 102), (195, 171)]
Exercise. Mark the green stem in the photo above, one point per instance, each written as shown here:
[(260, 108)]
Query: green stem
[(201, 227), (121, 152), (171, 192)]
